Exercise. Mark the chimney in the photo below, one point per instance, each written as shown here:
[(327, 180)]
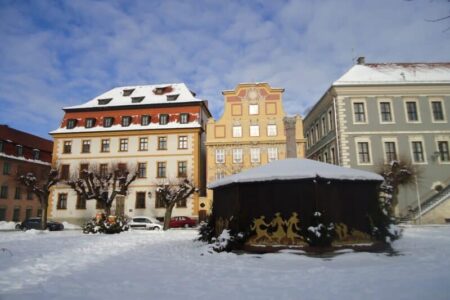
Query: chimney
[(289, 130), (361, 60)]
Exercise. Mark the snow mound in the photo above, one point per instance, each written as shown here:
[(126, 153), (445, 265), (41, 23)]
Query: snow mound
[(5, 225)]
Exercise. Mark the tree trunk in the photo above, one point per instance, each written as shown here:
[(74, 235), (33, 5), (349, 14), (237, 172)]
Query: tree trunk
[(107, 209), (167, 216), (44, 206)]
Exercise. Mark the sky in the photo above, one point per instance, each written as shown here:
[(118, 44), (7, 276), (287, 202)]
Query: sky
[(55, 54)]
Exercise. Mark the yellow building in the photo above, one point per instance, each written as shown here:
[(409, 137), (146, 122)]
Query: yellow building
[(250, 132)]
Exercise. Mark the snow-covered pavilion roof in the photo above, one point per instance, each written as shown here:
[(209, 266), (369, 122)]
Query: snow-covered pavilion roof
[(396, 73), (142, 95), (294, 168)]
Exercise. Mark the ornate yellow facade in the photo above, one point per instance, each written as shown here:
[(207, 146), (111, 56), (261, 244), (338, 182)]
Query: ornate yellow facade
[(250, 132)]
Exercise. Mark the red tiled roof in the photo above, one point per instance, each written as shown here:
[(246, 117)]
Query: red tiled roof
[(25, 139)]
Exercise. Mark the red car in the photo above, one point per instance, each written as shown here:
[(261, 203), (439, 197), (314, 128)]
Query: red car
[(182, 222)]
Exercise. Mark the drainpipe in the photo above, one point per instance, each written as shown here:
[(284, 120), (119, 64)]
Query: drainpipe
[(338, 158)]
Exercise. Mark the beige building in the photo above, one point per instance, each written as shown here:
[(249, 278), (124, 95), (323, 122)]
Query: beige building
[(250, 132)]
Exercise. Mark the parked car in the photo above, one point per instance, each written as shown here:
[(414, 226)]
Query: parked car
[(35, 223), (182, 221), (143, 222)]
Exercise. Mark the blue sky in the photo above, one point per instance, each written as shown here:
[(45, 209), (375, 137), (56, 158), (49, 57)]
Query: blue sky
[(60, 53)]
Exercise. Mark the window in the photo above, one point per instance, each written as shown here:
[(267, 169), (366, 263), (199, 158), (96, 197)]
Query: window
[(103, 170), (2, 214), (330, 120), (255, 155), (182, 142), (162, 143), (127, 92), (237, 131), (145, 120), (2, 147), (308, 144), (81, 202), (220, 156), (363, 152), (324, 126), (220, 174), (359, 112), (172, 97), (62, 201), (65, 172), (83, 167), (159, 201), (86, 146), (143, 144), (411, 110), (272, 130), (443, 151), (182, 169), (71, 123), (237, 156), (105, 146), (333, 156), (161, 170), (137, 99), (272, 154), (19, 150), (313, 136), (16, 214), (90, 122), (36, 154), (182, 203), (123, 145), (4, 192), (184, 118), (140, 200), (67, 148), (254, 130), (390, 151), (142, 170), (438, 112), (385, 112), (126, 121), (29, 195), (121, 167), (17, 194), (99, 205), (163, 119), (108, 122), (317, 131), (253, 109), (417, 149), (6, 168), (28, 213), (104, 101)]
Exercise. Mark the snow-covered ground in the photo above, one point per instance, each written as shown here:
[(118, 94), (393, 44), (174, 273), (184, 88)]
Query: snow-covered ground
[(169, 265)]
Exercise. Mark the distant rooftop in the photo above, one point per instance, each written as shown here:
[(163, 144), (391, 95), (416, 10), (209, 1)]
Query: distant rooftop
[(141, 95), (25, 139), (395, 73)]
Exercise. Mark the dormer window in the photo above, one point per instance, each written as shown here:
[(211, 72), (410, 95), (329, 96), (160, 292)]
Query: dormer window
[(104, 101), (172, 97), (145, 120), (71, 123), (108, 121), (90, 122), (19, 150), (163, 119), (127, 92), (126, 121), (36, 154), (184, 118), (162, 90), (137, 99)]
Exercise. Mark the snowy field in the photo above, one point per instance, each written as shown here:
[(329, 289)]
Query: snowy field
[(169, 265)]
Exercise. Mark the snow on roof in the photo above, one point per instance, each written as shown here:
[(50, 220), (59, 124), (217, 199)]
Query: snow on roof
[(396, 73), (141, 95), (293, 168)]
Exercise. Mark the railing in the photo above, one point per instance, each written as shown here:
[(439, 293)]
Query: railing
[(431, 203)]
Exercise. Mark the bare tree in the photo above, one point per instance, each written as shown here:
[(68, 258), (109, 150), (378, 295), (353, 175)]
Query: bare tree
[(41, 190), (92, 184), (172, 193)]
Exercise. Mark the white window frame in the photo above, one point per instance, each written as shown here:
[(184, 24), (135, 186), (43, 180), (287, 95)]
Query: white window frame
[(364, 140), (412, 139), (392, 110), (238, 156), (237, 131), (441, 138), (437, 99), (254, 130), (330, 120), (324, 125), (366, 115), (253, 109), (272, 132), (405, 106), (272, 154), (255, 153), (220, 156), (392, 140)]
